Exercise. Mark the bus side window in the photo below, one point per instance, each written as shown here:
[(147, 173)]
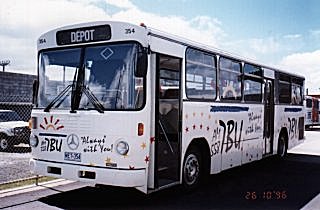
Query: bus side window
[(230, 79), (296, 91), (252, 83), (284, 91), (201, 75)]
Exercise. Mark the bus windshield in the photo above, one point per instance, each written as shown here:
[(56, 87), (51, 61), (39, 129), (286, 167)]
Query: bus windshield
[(103, 74)]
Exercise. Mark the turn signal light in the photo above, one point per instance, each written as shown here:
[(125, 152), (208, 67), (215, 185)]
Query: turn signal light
[(30, 124), (33, 123), (140, 129)]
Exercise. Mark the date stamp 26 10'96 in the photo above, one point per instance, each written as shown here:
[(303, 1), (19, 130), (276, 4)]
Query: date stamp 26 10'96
[(266, 195)]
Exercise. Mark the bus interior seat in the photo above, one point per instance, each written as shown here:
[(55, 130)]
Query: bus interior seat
[(168, 109)]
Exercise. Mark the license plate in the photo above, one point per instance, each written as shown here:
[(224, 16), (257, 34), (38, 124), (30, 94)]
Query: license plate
[(72, 156)]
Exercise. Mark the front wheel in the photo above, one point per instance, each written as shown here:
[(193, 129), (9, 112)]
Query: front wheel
[(192, 168)]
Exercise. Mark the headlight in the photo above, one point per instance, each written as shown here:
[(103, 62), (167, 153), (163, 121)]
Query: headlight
[(34, 140), (122, 148)]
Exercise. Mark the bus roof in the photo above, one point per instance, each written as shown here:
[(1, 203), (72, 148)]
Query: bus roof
[(214, 50), (141, 33), (120, 31)]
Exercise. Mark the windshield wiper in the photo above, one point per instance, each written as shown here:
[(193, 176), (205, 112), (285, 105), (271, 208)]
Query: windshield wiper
[(93, 99), (78, 88), (56, 99), (62, 93)]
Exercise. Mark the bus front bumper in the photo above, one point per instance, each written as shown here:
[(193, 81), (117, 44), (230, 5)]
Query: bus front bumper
[(91, 174)]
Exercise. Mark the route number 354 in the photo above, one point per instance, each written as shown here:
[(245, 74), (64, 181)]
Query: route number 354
[(129, 31)]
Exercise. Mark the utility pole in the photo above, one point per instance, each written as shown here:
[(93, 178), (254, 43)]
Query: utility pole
[(4, 63)]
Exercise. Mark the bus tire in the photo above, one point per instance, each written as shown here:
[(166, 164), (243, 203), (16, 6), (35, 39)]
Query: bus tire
[(282, 145), (192, 169)]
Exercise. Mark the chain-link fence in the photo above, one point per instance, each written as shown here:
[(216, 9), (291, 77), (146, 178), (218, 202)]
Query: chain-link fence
[(15, 112)]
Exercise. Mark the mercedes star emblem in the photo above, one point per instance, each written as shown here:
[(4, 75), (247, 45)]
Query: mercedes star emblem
[(73, 141)]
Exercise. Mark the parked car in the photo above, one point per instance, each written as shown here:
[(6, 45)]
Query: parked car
[(13, 130)]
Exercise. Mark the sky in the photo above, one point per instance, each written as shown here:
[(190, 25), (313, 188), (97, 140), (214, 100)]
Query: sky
[(280, 33)]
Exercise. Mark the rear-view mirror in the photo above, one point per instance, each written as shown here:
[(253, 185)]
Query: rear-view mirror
[(142, 64)]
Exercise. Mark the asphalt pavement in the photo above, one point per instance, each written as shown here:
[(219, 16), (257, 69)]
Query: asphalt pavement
[(267, 184), (14, 166)]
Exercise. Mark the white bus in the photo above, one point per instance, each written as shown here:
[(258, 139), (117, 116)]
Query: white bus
[(126, 105), (312, 113)]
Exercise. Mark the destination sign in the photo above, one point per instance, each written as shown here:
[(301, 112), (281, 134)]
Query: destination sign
[(84, 35)]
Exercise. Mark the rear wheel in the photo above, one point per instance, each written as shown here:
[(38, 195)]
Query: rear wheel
[(192, 168), (282, 145)]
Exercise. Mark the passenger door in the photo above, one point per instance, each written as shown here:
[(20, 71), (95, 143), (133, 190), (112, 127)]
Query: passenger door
[(268, 117), (167, 120)]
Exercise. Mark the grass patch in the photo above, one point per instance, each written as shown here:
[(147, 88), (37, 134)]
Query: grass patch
[(25, 182)]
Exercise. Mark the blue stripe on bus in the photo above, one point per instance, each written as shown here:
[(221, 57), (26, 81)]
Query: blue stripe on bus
[(52, 134), (229, 109), (292, 109)]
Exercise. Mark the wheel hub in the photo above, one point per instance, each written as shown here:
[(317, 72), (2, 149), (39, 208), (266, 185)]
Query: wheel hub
[(191, 169)]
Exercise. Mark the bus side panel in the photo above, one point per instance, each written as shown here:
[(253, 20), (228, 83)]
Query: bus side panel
[(234, 132), (252, 150), (288, 118), (199, 123)]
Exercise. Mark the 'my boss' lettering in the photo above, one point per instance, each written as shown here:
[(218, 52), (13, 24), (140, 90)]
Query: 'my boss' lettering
[(82, 36)]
